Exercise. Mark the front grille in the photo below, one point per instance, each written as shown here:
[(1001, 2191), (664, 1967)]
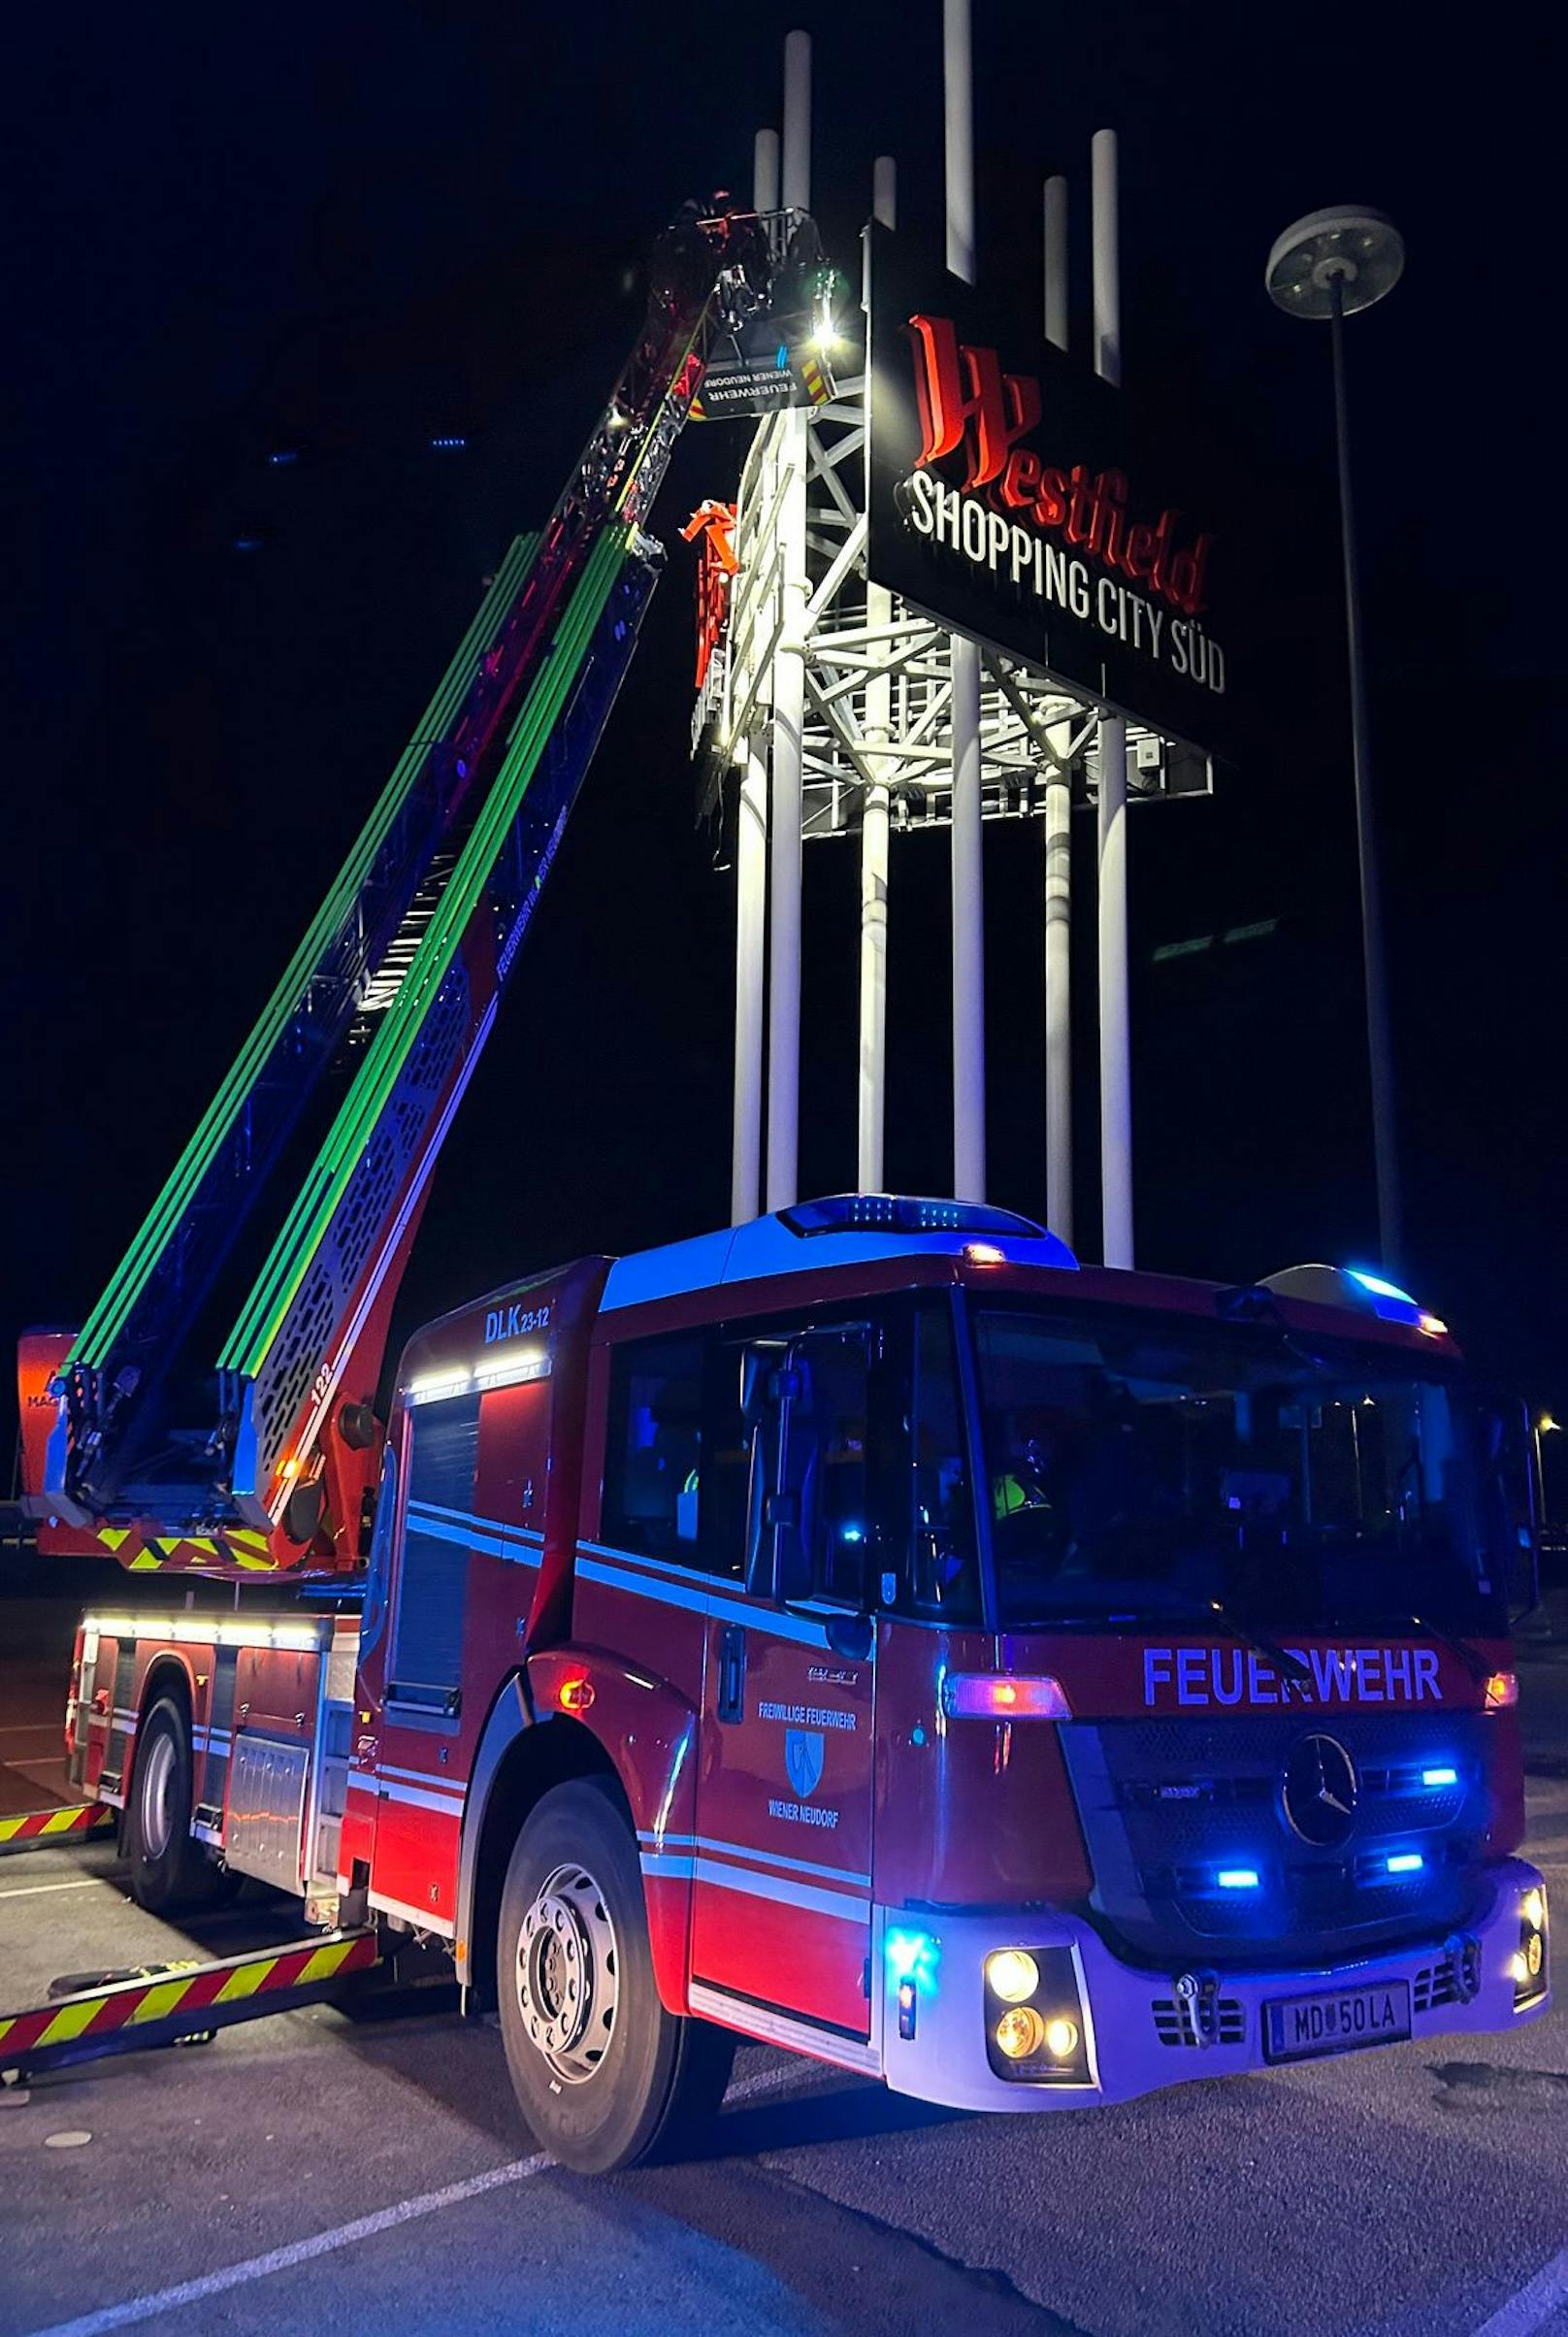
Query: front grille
[(1174, 2026), (1436, 1985), (1167, 1806)]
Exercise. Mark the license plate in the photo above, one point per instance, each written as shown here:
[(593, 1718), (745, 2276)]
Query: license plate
[(1299, 2029)]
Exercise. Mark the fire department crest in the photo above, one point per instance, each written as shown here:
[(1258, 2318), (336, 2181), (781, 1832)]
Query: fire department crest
[(803, 1761)]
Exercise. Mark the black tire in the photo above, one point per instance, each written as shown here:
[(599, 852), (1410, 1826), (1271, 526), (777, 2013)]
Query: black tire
[(603, 2074), (170, 1869)]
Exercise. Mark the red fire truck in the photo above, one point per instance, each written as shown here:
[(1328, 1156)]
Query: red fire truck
[(867, 1630), (862, 1630)]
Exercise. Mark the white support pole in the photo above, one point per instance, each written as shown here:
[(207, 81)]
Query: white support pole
[(751, 920), (1058, 1005), (1055, 261), (968, 932), (784, 839), (764, 172), (968, 890), (885, 190), (958, 116), (870, 1173), (797, 121), (1058, 832), (1115, 1009), (870, 1146), (788, 706), (1106, 231), (1114, 1051), (751, 884)]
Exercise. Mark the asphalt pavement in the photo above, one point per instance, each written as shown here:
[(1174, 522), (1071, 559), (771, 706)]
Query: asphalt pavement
[(314, 2172)]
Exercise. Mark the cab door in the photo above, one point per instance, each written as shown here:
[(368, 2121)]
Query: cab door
[(420, 1758), (782, 1859)]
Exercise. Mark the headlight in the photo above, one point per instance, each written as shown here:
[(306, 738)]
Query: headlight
[(1012, 1974), (1021, 2032), (1528, 1965), (1035, 2025)]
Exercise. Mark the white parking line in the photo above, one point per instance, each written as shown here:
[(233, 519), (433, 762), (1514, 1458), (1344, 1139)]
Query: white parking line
[(345, 2235), (37, 1890), (301, 2251), (1535, 2303)]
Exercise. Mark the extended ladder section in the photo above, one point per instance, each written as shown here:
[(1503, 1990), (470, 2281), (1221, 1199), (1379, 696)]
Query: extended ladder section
[(343, 1241), (396, 985)]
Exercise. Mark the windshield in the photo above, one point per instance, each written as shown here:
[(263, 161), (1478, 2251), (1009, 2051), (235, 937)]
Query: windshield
[(1136, 1471)]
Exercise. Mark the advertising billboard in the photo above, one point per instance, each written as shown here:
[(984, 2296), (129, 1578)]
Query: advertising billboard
[(1007, 501)]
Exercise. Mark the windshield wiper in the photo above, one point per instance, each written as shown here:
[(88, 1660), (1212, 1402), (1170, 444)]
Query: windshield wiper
[(1475, 1664), (1289, 1667), (1082, 1619)]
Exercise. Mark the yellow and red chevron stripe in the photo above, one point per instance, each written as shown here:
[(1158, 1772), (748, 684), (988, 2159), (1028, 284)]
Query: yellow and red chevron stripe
[(138, 2003), (72, 1821), (242, 1549)]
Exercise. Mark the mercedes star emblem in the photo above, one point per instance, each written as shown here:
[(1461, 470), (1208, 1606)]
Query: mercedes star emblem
[(1319, 1791)]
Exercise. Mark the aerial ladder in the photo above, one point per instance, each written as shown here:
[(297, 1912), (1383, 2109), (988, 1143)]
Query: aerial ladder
[(343, 1091)]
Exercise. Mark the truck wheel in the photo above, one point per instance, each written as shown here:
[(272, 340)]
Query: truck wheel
[(169, 1868), (601, 2070)]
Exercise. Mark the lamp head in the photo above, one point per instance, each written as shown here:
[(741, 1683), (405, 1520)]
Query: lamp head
[(1347, 245)]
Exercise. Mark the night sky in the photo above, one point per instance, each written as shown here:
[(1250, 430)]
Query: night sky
[(345, 229)]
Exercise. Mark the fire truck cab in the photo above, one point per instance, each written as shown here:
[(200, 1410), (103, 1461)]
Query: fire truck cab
[(867, 1631)]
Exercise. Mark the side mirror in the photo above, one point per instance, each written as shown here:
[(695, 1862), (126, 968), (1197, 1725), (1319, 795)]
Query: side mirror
[(766, 1380), (850, 1635), (755, 1364)]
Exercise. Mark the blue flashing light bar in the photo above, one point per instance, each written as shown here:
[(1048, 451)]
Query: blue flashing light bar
[(1377, 1286), (1406, 1862), (897, 1213), (1389, 1304), (281, 455), (1437, 1777), (446, 445), (1237, 1878)]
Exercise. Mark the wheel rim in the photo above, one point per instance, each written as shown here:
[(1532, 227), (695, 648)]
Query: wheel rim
[(157, 1822), (569, 1974)]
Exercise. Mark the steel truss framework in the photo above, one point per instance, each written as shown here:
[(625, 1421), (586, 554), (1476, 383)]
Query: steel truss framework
[(878, 675)]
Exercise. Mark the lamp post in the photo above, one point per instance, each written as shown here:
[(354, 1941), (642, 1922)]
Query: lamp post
[(1545, 1425), (1328, 266)]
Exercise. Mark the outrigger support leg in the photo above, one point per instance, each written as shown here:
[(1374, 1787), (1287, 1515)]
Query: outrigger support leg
[(47, 1829), (173, 2004)]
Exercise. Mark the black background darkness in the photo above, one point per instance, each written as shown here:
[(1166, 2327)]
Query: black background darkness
[(345, 228)]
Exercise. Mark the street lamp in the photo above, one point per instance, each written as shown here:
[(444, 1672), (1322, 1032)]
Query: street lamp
[(1545, 1425), (1327, 267)]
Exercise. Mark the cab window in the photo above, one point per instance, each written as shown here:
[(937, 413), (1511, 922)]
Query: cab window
[(653, 1460), (821, 1416), (941, 1581), (821, 1502)]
